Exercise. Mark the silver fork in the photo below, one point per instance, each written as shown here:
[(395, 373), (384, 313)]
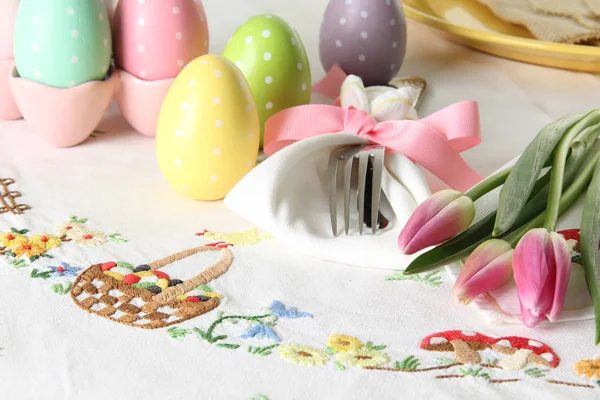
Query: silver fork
[(370, 164)]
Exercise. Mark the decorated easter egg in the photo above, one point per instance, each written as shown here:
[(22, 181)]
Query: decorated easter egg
[(154, 40), (365, 38), (208, 129), (62, 43), (8, 13), (272, 57)]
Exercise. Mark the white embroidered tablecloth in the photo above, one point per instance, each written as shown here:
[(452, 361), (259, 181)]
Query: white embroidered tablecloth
[(288, 326)]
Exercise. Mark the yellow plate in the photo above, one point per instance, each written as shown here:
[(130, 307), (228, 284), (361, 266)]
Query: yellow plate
[(472, 24)]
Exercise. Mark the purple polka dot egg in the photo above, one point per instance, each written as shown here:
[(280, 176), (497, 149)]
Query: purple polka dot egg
[(365, 38), (155, 40)]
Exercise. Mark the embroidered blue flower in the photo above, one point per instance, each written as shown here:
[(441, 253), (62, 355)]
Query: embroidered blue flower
[(282, 311), (64, 269), (261, 332)]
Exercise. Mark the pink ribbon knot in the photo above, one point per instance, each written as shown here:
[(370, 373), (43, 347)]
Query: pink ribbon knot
[(434, 142)]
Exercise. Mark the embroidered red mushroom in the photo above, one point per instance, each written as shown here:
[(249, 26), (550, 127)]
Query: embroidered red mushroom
[(522, 351), (464, 344)]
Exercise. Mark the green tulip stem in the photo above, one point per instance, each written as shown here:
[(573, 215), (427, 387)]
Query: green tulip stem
[(489, 184), (558, 171), (567, 199), (590, 135)]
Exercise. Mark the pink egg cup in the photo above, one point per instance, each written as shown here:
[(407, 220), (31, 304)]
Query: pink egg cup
[(63, 117), (140, 101), (8, 107)]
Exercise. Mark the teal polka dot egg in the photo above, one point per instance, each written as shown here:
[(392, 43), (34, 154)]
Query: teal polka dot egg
[(62, 43), (270, 54)]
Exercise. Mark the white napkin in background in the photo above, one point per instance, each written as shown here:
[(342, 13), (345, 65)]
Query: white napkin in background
[(287, 195)]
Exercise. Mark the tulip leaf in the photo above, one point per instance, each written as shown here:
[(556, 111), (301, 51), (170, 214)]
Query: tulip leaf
[(526, 171), (590, 237), (461, 246)]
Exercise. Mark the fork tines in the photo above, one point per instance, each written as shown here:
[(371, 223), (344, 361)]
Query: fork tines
[(367, 162)]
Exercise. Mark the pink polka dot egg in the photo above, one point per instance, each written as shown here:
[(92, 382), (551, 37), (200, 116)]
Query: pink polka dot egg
[(154, 40)]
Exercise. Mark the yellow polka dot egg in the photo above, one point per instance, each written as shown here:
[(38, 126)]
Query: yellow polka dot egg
[(208, 129)]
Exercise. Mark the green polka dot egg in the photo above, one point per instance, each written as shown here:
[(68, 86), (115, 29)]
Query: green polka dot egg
[(271, 55), (62, 43)]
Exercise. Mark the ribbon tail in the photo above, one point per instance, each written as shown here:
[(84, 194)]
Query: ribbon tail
[(459, 123), (331, 84)]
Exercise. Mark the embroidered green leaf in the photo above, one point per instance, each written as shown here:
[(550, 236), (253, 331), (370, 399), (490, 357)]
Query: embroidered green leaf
[(477, 372), (75, 220), (117, 238), (329, 350), (204, 288), (370, 346), (42, 275), (410, 363), (217, 338), (537, 372), (339, 366), (176, 332), (17, 263), (259, 397), (124, 264), (200, 333), (229, 346), (20, 232), (445, 361), (33, 259), (10, 254), (431, 278), (261, 351), (60, 289), (46, 255)]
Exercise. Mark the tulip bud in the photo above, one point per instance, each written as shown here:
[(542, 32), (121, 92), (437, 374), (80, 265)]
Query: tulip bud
[(542, 267), (489, 267), (442, 216)]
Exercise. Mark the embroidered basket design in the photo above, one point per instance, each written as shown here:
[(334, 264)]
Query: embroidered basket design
[(8, 198), (100, 294)]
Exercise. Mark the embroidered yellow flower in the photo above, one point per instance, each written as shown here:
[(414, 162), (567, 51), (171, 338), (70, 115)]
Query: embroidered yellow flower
[(68, 229), (27, 249), (303, 355), (247, 238), (343, 343), (88, 238), (362, 358), (11, 239), (46, 242), (588, 368)]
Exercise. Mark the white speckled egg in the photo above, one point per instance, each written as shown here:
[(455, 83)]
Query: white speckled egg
[(62, 43), (208, 129)]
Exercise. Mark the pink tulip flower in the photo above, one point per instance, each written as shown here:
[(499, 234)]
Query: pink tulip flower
[(542, 266), (442, 216), (489, 267)]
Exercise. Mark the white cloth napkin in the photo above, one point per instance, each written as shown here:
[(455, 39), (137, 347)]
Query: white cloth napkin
[(288, 194)]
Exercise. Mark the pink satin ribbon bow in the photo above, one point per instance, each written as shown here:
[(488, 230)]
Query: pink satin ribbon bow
[(433, 142)]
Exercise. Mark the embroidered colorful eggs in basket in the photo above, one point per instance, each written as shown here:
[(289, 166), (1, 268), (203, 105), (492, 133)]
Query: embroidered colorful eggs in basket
[(145, 297), (155, 281)]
